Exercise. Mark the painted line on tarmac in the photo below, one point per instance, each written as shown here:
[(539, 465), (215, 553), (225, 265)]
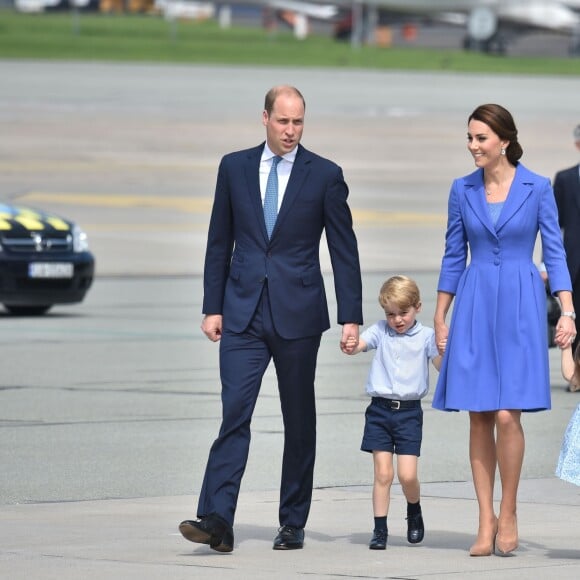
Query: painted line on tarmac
[(367, 217), (57, 165), (144, 227), (202, 205), (194, 205)]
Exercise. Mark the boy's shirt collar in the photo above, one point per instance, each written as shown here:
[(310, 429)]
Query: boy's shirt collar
[(415, 329)]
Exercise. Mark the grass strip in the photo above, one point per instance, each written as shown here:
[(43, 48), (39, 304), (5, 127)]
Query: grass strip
[(148, 38)]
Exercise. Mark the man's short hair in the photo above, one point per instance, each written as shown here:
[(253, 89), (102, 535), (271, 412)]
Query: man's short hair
[(576, 133)]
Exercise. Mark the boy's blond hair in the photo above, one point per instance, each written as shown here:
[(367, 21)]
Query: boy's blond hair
[(400, 291)]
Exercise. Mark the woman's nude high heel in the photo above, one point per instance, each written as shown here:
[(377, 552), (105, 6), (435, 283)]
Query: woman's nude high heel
[(485, 543), (505, 544)]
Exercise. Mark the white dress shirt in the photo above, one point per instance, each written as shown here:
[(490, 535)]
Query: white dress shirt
[(284, 169)]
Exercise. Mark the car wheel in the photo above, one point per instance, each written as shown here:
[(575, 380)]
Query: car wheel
[(28, 310)]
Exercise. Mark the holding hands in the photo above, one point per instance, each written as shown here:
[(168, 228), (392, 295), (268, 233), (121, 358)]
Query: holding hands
[(349, 342), (565, 332), (441, 333)]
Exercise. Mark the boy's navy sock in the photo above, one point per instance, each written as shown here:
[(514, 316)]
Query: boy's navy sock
[(381, 523), (413, 508)]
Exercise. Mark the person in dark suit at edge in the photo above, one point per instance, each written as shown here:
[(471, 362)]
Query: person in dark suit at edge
[(567, 194), (264, 299)]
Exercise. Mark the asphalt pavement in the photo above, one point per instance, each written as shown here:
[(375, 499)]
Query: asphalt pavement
[(108, 408)]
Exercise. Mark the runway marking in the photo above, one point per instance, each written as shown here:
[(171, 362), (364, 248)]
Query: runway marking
[(193, 205), (202, 205), (397, 217), (144, 227), (52, 165)]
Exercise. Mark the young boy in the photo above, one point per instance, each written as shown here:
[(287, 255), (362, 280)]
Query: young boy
[(397, 381)]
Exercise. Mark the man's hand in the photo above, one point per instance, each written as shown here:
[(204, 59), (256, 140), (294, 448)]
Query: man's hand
[(349, 339), (211, 325)]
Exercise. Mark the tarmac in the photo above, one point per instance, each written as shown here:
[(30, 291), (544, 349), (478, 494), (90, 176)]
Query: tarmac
[(108, 408), (101, 461), (138, 538)]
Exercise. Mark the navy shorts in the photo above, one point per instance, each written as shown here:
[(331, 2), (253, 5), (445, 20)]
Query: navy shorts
[(397, 430)]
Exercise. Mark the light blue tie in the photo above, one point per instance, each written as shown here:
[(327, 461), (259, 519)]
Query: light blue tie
[(271, 197)]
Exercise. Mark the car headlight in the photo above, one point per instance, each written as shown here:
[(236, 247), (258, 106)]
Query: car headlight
[(80, 240)]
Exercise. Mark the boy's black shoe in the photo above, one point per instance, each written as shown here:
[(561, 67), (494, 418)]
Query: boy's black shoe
[(379, 540), (415, 528)]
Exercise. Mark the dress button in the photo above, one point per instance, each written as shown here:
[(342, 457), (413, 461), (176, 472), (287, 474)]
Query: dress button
[(496, 261)]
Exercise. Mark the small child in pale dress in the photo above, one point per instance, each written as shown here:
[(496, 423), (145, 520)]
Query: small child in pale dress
[(568, 467)]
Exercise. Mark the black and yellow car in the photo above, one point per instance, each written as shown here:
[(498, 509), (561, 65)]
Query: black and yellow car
[(44, 260)]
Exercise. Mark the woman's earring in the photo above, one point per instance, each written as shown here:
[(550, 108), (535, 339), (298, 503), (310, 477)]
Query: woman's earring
[(502, 151)]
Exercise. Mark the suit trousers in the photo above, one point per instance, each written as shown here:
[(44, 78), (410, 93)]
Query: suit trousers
[(244, 358)]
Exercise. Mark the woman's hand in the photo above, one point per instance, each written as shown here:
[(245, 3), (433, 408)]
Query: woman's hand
[(441, 333), (565, 332)]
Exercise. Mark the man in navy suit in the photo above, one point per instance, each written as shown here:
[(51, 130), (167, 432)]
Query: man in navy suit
[(567, 193), (264, 299)]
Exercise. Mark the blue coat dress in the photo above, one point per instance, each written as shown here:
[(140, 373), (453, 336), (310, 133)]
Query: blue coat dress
[(497, 350)]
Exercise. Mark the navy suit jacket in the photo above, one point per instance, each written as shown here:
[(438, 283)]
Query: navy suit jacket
[(240, 257), (567, 194)]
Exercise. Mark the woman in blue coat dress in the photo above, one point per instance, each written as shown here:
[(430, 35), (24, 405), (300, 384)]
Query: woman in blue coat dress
[(496, 352)]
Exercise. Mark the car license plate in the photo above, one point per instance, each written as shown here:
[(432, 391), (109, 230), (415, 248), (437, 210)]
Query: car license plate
[(50, 270)]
